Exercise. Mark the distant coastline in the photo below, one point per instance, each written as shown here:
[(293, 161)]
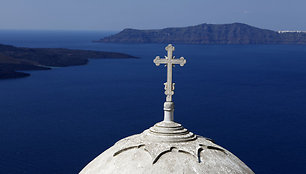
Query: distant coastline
[(235, 33), (14, 60)]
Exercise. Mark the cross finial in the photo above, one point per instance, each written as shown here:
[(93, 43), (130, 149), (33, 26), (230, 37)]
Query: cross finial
[(169, 61)]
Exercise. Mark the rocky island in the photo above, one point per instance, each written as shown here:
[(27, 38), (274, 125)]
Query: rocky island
[(15, 59), (236, 33)]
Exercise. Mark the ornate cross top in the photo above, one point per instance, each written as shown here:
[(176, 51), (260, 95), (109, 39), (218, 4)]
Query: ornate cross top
[(169, 61)]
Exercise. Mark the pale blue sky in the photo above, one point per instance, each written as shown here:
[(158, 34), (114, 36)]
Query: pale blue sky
[(147, 14)]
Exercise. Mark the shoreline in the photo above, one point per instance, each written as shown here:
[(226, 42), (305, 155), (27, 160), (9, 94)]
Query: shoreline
[(15, 60)]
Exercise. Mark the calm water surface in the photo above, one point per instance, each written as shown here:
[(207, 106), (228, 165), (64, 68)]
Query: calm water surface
[(249, 99)]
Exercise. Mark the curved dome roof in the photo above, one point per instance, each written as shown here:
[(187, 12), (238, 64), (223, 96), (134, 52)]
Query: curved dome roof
[(166, 148)]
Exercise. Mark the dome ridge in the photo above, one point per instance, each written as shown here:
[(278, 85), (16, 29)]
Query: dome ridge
[(193, 146), (169, 132)]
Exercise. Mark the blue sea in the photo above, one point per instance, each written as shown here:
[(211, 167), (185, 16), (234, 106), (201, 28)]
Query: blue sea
[(250, 99)]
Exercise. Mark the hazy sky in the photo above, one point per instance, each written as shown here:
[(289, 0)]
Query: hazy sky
[(147, 14)]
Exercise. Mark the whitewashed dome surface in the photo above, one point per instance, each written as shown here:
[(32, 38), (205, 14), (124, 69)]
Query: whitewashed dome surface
[(166, 148)]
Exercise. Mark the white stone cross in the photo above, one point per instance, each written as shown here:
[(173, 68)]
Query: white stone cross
[(169, 61)]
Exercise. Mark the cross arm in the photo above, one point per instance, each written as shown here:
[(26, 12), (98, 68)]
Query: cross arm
[(180, 61), (159, 61)]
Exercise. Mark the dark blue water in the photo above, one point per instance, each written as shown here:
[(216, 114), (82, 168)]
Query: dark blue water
[(250, 99)]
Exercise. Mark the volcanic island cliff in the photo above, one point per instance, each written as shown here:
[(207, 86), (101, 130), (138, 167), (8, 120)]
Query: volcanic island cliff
[(235, 33)]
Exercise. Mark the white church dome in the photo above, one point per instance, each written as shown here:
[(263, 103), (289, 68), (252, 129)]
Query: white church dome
[(167, 147)]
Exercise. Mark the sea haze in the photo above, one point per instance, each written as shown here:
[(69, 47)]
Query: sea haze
[(249, 98)]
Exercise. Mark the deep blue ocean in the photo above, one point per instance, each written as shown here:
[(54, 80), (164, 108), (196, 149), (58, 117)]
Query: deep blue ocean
[(250, 99)]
